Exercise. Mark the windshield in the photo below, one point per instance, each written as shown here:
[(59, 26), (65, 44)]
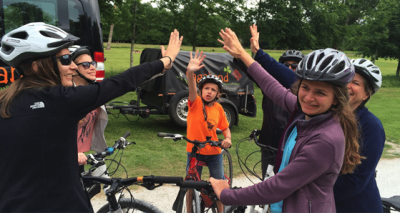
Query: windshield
[(66, 14)]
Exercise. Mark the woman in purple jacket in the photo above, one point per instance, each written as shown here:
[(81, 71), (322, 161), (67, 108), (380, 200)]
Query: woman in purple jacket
[(320, 141)]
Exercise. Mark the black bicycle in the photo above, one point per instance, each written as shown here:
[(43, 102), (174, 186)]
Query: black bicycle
[(391, 204), (149, 182), (243, 163), (99, 169), (190, 200)]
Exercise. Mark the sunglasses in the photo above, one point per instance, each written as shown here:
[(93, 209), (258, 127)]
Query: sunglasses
[(86, 64), (65, 59), (294, 66)]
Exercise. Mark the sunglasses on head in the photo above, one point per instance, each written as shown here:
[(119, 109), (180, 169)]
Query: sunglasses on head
[(294, 66), (86, 64), (65, 59)]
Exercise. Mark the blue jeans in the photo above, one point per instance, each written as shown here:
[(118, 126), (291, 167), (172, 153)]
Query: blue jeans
[(214, 163)]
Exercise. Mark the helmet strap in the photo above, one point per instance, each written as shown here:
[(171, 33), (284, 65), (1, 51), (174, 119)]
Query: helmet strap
[(84, 78), (362, 105)]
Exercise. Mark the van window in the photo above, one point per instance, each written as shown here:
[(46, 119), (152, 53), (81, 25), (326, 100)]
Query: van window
[(66, 14)]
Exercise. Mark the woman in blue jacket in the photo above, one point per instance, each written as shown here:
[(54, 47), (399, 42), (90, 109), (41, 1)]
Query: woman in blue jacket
[(358, 191)]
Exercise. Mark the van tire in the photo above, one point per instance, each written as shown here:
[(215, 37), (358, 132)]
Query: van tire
[(230, 113), (178, 107)]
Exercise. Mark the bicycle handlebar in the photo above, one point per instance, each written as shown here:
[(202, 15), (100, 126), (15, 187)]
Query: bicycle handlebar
[(253, 136), (150, 180), (119, 144), (195, 142)]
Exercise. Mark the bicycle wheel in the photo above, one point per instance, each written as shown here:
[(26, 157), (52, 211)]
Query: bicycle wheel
[(228, 167), (132, 205), (190, 202), (247, 209)]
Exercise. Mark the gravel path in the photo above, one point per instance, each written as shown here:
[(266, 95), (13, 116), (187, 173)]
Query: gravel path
[(163, 197)]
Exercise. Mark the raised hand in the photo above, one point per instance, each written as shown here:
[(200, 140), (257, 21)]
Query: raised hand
[(233, 47), (231, 43), (194, 63), (174, 46), (254, 40)]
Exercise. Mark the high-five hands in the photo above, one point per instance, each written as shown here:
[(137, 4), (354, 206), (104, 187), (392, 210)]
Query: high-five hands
[(231, 43), (254, 40), (194, 63), (172, 51)]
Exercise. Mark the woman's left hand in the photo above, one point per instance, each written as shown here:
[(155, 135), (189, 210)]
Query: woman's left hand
[(218, 186), (173, 48)]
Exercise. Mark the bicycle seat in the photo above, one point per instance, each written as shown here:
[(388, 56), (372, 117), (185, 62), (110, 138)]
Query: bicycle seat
[(393, 202)]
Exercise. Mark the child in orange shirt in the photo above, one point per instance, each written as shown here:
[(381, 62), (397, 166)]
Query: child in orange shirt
[(204, 117)]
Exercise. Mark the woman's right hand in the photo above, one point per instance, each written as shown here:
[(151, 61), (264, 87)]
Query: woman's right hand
[(194, 63), (233, 46), (254, 44), (82, 159), (172, 51)]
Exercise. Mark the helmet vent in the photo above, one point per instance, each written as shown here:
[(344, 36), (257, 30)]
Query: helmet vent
[(310, 61), (320, 56), (50, 34), (338, 68), (326, 62), (21, 35), (6, 48)]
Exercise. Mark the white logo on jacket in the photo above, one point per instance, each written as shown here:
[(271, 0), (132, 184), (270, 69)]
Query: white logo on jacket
[(37, 105)]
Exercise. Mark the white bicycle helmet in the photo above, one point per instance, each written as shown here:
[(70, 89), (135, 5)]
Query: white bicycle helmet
[(291, 55), (210, 79), (328, 65), (369, 71), (33, 40)]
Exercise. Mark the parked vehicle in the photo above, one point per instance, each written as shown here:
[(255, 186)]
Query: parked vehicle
[(78, 17), (168, 94)]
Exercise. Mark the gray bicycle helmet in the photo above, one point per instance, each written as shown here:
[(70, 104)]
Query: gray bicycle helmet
[(328, 65), (32, 41), (369, 71), (291, 55), (210, 79)]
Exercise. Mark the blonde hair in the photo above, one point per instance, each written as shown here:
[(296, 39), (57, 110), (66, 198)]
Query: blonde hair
[(348, 122), (44, 76)]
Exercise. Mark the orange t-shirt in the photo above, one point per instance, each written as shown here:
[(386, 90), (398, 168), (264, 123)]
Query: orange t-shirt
[(198, 129)]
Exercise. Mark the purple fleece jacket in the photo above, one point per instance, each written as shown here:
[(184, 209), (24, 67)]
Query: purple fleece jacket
[(306, 184)]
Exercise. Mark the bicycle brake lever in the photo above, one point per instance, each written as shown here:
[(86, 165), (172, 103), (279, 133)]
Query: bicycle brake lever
[(151, 186)]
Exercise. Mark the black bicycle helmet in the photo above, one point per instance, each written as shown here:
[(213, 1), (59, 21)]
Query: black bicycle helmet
[(291, 55), (327, 65), (210, 79), (77, 51)]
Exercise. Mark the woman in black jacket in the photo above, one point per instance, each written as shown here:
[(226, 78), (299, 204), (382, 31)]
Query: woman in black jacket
[(39, 118)]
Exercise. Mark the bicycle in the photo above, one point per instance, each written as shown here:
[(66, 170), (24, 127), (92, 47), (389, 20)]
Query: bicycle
[(268, 174), (149, 182), (99, 169), (391, 204), (200, 202)]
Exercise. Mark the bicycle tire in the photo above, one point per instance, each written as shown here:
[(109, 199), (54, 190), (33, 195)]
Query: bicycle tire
[(131, 205), (228, 167), (232, 209), (182, 207)]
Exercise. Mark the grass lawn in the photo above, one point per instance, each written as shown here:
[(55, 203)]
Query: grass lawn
[(156, 156)]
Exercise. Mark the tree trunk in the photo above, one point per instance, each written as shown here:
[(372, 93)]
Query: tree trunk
[(194, 33), (398, 69), (110, 37), (133, 35)]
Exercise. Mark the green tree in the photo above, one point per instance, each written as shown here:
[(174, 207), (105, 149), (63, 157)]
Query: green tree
[(380, 33)]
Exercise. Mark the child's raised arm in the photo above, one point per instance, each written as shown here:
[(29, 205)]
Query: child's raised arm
[(193, 66)]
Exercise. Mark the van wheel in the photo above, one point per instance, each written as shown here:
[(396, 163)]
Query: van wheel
[(178, 107), (230, 114)]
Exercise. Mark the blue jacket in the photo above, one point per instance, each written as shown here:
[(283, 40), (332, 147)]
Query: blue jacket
[(358, 192)]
